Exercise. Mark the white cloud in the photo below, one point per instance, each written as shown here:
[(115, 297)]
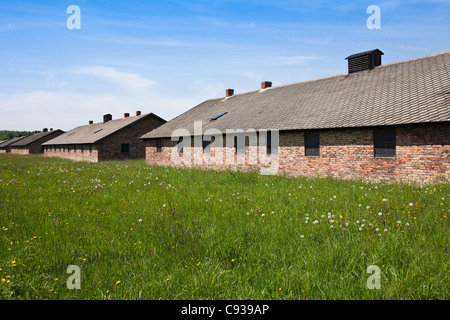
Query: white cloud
[(130, 81)]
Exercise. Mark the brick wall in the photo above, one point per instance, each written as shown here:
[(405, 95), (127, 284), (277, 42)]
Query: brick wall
[(36, 146), (422, 155), (110, 147), (79, 153), (20, 150)]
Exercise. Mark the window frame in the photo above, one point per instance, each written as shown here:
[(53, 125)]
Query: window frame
[(313, 151), (385, 146), (122, 145), (159, 145)]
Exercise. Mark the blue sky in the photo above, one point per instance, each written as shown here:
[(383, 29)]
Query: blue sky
[(166, 57)]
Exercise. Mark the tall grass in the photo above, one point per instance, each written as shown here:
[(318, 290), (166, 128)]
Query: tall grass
[(147, 232)]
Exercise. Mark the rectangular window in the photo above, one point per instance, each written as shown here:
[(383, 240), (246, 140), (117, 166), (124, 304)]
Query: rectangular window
[(384, 142), (312, 144), (269, 142), (180, 145), (159, 145), (206, 146), (90, 148), (125, 148)]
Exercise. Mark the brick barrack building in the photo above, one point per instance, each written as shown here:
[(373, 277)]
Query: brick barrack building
[(5, 146), (117, 139), (375, 122), (33, 144)]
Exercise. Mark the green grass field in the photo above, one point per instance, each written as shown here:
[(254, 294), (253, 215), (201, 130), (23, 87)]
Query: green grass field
[(147, 232)]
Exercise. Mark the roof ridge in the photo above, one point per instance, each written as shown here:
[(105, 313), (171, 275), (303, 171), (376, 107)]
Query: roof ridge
[(335, 75)]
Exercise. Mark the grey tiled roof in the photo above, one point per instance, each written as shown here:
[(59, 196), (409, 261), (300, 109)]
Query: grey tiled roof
[(95, 132), (30, 139), (405, 92), (11, 141)]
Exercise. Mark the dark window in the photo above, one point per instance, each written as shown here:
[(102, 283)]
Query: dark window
[(82, 148), (206, 146), (125, 148), (90, 148), (312, 144), (384, 142), (180, 145), (269, 142), (159, 145)]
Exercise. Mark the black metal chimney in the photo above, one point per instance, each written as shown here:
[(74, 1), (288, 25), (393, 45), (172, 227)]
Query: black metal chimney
[(107, 117), (364, 61)]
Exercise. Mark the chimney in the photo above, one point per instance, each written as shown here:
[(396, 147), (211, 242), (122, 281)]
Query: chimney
[(364, 61), (45, 130), (266, 84), (229, 92), (91, 122), (126, 115), (51, 129), (107, 117), (138, 113)]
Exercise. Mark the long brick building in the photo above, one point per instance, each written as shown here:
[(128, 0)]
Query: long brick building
[(5, 146), (33, 144), (117, 139), (375, 122)]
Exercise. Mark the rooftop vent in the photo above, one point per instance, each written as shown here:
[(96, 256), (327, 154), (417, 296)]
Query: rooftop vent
[(364, 61), (91, 122), (107, 117), (45, 130), (138, 113), (229, 92), (126, 115), (266, 84)]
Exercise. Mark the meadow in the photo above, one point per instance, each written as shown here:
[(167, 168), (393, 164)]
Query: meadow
[(147, 232)]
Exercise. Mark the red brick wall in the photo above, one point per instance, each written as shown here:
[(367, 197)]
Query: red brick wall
[(36, 146), (110, 148), (422, 155), (75, 153), (20, 150)]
